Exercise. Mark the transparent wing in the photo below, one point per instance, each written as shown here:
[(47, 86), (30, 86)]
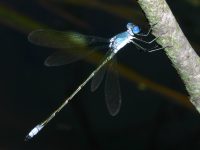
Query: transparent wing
[(72, 45), (61, 39), (62, 58), (98, 77), (112, 89)]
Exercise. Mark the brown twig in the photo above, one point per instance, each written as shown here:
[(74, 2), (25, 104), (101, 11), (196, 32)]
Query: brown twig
[(181, 53)]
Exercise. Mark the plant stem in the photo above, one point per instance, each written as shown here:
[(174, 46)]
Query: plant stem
[(182, 55)]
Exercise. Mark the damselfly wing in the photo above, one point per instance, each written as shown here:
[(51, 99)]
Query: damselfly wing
[(73, 46)]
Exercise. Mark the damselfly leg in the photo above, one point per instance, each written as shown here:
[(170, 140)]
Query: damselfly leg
[(149, 31)]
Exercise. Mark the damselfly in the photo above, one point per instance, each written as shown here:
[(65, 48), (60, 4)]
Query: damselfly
[(74, 46)]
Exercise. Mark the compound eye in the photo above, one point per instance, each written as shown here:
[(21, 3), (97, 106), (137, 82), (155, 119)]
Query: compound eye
[(136, 29)]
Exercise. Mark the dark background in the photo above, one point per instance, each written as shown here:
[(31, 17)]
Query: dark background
[(29, 91)]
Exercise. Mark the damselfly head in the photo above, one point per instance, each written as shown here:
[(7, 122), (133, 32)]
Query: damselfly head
[(132, 29)]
